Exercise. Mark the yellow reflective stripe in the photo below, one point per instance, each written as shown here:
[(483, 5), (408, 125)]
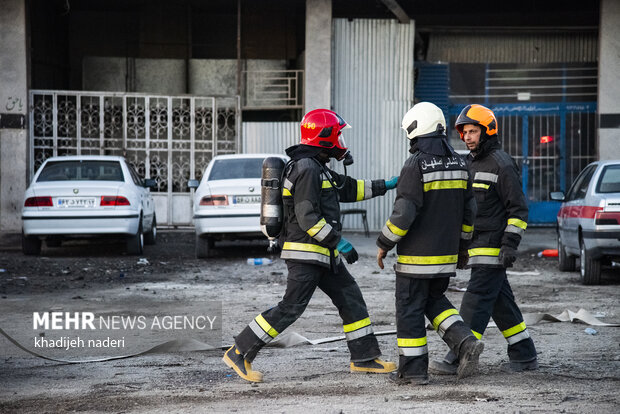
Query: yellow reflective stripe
[(326, 184), (514, 330), (317, 227), (360, 190), (427, 260), (266, 327), (467, 229), (484, 251), (286, 192), (408, 342), (516, 222), (307, 247), (480, 185), (476, 334), (445, 185), (443, 316), (356, 325), (397, 231)]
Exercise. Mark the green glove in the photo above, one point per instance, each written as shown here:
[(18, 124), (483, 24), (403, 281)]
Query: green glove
[(391, 183), (348, 251)]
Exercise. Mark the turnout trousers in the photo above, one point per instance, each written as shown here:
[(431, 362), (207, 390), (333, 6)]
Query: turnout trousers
[(489, 295), (302, 281), (416, 298)]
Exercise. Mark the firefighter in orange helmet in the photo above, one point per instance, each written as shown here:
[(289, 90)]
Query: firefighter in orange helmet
[(313, 248), (498, 227)]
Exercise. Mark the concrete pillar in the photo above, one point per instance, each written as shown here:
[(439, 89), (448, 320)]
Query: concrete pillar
[(609, 81), (13, 110), (318, 55)]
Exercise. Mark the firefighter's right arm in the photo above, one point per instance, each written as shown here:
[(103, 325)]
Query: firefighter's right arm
[(409, 198), (307, 210)]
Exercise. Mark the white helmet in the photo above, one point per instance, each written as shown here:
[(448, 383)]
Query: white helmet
[(424, 118)]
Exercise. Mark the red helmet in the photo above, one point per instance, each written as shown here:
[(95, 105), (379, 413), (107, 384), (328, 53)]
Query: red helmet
[(477, 115), (322, 128)]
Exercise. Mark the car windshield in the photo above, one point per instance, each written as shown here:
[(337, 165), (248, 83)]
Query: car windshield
[(233, 168), (76, 170), (610, 180)]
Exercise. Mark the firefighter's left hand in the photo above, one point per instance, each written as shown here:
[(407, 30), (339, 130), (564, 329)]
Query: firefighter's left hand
[(507, 256), (348, 251), (391, 183), (381, 254), (462, 260)]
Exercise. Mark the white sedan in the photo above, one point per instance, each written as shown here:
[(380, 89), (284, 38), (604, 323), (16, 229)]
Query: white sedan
[(84, 196), (227, 200)]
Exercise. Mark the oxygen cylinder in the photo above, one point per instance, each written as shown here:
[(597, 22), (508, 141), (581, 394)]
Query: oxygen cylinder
[(271, 214)]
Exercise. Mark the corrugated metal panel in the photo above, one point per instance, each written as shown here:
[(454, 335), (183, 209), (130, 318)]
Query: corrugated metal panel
[(373, 88), (269, 137), (489, 47)]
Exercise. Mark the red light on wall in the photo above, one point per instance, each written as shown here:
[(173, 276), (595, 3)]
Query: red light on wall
[(546, 139)]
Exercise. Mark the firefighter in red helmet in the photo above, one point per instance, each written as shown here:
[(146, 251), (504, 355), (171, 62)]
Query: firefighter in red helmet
[(313, 248), (498, 227)]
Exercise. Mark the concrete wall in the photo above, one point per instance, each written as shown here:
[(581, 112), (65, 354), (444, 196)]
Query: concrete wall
[(107, 74), (609, 81), (318, 55), (207, 77), (13, 108)]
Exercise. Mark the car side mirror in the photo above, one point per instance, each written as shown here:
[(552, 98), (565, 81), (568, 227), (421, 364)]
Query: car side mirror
[(150, 183), (557, 196), (193, 183)]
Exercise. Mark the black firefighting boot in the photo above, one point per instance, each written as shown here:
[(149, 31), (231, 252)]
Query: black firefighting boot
[(399, 379), (446, 366), (411, 370), (234, 359), (465, 350), (376, 366), (469, 351), (514, 366)]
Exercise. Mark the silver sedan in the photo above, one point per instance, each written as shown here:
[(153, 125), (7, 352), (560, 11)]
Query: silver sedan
[(589, 220)]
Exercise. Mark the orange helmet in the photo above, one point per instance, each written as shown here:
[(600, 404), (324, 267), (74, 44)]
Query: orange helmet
[(322, 128), (477, 115)]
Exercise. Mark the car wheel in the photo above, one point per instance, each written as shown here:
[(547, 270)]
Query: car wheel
[(590, 268), (204, 247), (31, 245), (566, 262), (151, 237), (135, 243)]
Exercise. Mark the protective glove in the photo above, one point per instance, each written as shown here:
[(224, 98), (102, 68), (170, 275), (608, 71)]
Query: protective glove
[(462, 260), (348, 251), (507, 256), (391, 183)]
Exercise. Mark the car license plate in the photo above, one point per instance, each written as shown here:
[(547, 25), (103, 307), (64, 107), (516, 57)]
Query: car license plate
[(76, 202), (253, 199)]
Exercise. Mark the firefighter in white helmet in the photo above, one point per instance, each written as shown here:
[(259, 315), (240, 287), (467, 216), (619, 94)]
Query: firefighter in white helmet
[(431, 222)]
